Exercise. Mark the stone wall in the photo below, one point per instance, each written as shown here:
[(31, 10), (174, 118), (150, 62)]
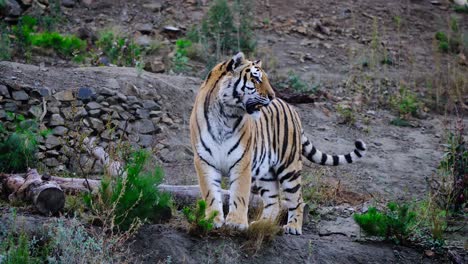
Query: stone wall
[(118, 111)]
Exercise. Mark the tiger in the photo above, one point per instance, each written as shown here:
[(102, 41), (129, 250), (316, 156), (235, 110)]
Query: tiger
[(240, 130)]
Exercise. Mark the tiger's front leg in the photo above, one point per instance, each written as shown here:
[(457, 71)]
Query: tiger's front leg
[(240, 181), (209, 180)]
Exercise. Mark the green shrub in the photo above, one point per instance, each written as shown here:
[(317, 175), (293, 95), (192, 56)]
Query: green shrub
[(131, 198), (119, 50), (180, 58), (296, 83), (406, 103), (347, 114), (395, 223), (65, 45), (18, 147), (200, 223)]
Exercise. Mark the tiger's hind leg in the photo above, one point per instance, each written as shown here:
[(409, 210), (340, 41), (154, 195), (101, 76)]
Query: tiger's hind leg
[(291, 185), (269, 191)]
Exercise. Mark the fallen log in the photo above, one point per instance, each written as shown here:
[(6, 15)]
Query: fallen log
[(183, 195), (46, 196)]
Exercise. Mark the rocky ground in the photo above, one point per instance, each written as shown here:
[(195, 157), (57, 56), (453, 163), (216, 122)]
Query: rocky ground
[(326, 43)]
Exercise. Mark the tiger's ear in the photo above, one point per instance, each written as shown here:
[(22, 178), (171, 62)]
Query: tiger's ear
[(258, 63), (236, 61)]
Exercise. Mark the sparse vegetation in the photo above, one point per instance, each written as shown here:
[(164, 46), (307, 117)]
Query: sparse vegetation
[(180, 58), (18, 144), (259, 234), (395, 223), (453, 41), (118, 50), (124, 202), (406, 103), (200, 223), (296, 83), (347, 114)]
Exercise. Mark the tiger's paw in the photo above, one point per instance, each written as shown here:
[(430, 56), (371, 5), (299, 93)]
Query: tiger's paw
[(218, 221), (292, 229), (237, 222)]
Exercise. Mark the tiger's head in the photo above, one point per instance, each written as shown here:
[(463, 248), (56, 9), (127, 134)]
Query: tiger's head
[(245, 85)]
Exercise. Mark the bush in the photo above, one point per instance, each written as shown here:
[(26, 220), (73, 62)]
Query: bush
[(406, 103), (18, 148), (180, 58), (65, 45), (200, 223), (128, 200), (395, 223), (119, 50)]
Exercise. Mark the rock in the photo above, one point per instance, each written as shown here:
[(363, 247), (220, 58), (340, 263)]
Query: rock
[(117, 108), (93, 106), (56, 120), (4, 91), (132, 99), (74, 113), (151, 105), (144, 126), (461, 2), (86, 33), (35, 110), (10, 107), (143, 40), (142, 113), (94, 113), (52, 142), (52, 153), (155, 113), (2, 114), (66, 95), (11, 11), (344, 226), (106, 91), (20, 95), (121, 97), (96, 124), (108, 134), (145, 140), (156, 65), (85, 93), (68, 3), (51, 162), (155, 7), (167, 120), (145, 28), (59, 130)]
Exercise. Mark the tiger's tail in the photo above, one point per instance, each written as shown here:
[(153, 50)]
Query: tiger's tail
[(316, 156)]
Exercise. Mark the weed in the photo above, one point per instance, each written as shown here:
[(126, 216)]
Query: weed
[(296, 83), (67, 46), (395, 223), (260, 233), (454, 170), (125, 202), (18, 147), (406, 103), (5, 44), (461, 9), (180, 58), (347, 115), (119, 50), (400, 122), (200, 223), (453, 41)]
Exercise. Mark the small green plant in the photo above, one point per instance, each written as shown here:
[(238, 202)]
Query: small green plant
[(200, 223), (461, 9), (126, 201), (296, 83), (67, 46), (347, 115), (18, 147), (5, 44), (120, 51), (395, 223), (180, 58), (400, 122), (453, 41), (406, 103)]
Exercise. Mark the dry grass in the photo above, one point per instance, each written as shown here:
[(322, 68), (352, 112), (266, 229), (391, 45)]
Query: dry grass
[(259, 234)]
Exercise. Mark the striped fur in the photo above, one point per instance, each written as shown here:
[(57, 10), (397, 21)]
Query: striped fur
[(239, 130)]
